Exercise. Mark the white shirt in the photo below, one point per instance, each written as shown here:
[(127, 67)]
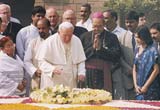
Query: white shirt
[(24, 36), (30, 62), (119, 31), (87, 24)]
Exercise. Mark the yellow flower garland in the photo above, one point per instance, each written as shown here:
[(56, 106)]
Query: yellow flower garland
[(89, 108), (31, 107), (21, 107)]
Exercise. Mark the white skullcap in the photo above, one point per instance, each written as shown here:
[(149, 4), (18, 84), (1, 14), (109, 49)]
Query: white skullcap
[(65, 25)]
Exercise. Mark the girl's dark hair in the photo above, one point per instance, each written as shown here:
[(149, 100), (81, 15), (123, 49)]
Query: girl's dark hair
[(144, 34)]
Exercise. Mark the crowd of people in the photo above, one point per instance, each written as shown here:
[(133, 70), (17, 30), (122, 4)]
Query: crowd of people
[(94, 52)]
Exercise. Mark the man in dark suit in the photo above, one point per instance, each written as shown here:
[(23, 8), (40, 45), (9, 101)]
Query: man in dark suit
[(102, 49), (12, 27)]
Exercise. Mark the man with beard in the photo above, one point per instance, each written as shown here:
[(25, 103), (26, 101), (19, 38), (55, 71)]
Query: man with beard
[(30, 62), (85, 21), (155, 33)]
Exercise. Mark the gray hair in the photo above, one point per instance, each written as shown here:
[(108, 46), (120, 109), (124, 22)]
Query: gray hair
[(65, 25), (6, 6)]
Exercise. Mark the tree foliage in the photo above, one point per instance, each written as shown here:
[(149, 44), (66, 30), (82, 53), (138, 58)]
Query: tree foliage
[(123, 6), (137, 5)]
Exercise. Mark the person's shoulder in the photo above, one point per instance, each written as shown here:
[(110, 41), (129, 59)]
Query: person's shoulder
[(81, 28), (52, 37), (121, 29), (13, 19), (152, 47), (25, 29), (79, 23), (76, 39), (129, 32), (34, 40), (16, 24), (110, 34), (87, 33)]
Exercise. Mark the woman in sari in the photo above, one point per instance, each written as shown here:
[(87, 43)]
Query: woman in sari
[(12, 81), (145, 69)]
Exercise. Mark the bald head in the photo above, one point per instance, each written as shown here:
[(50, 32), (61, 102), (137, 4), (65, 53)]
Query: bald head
[(52, 16), (69, 15), (51, 9), (44, 21)]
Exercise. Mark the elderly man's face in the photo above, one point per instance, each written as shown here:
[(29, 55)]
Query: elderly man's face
[(4, 22), (155, 34), (66, 35), (53, 17), (98, 25), (6, 12), (70, 17)]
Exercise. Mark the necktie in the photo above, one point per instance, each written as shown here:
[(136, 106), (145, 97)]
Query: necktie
[(133, 42)]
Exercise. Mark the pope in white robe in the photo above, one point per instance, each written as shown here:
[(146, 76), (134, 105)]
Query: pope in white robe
[(62, 58)]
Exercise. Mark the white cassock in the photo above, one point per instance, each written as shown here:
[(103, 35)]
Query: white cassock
[(30, 62), (70, 58), (11, 74), (24, 36)]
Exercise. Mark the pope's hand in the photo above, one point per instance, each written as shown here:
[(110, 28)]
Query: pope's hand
[(58, 70)]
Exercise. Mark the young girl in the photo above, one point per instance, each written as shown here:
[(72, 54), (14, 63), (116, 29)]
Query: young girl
[(145, 68)]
